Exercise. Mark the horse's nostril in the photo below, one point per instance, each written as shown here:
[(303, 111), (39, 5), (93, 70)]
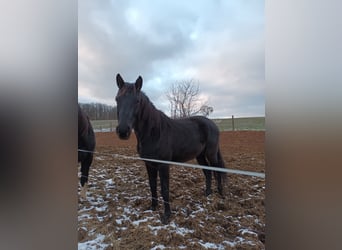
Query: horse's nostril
[(123, 131)]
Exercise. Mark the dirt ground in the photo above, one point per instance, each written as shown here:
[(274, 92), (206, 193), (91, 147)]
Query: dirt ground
[(114, 215)]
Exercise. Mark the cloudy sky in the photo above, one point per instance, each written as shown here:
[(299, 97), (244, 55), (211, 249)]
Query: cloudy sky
[(218, 43)]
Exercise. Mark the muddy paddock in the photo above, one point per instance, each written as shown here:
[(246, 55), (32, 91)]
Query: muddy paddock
[(114, 214)]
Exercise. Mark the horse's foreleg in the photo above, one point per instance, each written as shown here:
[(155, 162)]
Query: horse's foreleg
[(84, 179), (152, 178), (164, 182), (85, 164), (86, 161)]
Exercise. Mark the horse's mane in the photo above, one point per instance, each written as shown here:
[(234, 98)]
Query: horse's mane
[(149, 111), (149, 115)]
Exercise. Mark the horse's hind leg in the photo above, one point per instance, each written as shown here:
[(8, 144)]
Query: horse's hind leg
[(215, 160), (221, 176), (218, 178), (152, 172), (202, 161)]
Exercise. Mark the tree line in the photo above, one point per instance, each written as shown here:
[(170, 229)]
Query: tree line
[(99, 111)]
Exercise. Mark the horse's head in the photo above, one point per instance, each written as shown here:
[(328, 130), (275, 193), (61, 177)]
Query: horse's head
[(128, 100)]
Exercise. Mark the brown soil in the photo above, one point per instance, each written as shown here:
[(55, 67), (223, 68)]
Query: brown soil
[(115, 215)]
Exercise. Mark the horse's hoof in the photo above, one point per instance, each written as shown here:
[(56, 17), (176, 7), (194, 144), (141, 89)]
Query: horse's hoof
[(208, 192), (153, 208), (165, 219), (83, 192)]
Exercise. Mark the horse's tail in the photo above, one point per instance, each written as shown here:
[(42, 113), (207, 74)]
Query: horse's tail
[(220, 164)]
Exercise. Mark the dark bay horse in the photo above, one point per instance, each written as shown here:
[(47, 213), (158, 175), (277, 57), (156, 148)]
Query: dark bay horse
[(86, 141), (163, 138)]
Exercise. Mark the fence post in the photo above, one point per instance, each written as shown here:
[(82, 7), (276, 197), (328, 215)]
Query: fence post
[(233, 125)]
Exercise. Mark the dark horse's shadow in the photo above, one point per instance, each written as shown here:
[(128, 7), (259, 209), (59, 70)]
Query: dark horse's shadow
[(163, 138), (86, 141)]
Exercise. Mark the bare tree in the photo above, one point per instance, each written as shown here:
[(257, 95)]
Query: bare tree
[(185, 101), (206, 110)]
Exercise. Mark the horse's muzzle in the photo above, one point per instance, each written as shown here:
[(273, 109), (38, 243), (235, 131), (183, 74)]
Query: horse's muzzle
[(123, 133)]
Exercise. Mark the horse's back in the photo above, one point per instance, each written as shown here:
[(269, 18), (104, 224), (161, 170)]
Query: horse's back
[(196, 126), (204, 121), (191, 136), (206, 126)]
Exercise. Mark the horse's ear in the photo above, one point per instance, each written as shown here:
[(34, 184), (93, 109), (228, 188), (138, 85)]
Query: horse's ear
[(138, 83), (119, 81)]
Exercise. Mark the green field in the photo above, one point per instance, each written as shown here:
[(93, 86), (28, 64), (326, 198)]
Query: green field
[(245, 123)]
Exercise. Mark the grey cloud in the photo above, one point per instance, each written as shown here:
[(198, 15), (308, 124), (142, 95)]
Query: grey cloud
[(171, 41)]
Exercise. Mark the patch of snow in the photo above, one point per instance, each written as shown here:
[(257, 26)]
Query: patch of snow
[(124, 218), (100, 218), (242, 240), (101, 209), (102, 176), (246, 231), (172, 227), (109, 182), (207, 245), (158, 247), (155, 229), (84, 217), (231, 244), (96, 243), (137, 222), (87, 209), (183, 231)]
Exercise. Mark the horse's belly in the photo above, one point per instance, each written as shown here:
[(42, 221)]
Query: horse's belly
[(188, 154), (181, 149)]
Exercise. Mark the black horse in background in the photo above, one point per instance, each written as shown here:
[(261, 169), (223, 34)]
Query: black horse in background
[(86, 141), (163, 138)]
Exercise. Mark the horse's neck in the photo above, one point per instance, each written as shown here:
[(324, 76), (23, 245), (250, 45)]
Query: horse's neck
[(148, 118)]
